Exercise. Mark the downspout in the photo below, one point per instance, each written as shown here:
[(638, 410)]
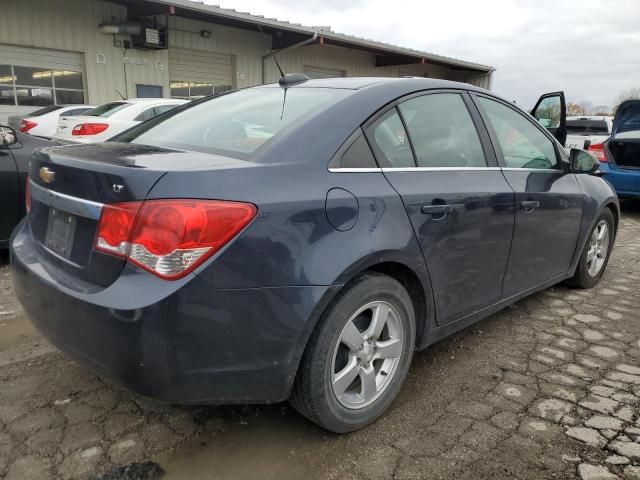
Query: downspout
[(304, 42)]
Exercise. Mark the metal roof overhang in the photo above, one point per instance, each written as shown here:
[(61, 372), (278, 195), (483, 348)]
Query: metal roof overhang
[(285, 34)]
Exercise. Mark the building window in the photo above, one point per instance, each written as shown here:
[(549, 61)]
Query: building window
[(195, 90), (38, 87), (148, 91)]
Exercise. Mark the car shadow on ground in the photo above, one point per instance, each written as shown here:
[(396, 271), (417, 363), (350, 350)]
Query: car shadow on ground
[(630, 206)]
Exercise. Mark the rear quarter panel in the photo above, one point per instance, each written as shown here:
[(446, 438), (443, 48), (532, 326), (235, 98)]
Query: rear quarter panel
[(291, 242)]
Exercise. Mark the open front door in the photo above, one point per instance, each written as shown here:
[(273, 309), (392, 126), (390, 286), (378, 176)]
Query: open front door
[(551, 113)]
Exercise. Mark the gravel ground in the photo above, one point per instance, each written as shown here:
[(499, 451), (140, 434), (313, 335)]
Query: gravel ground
[(549, 388)]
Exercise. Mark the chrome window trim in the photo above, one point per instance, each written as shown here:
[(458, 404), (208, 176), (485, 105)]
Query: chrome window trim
[(355, 170), (441, 169), (67, 203), (548, 170)]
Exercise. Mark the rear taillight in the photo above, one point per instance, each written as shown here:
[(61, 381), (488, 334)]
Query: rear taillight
[(170, 238), (27, 195), (89, 128), (27, 125), (598, 150)]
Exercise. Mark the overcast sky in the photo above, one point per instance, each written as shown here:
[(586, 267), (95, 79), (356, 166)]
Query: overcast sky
[(588, 48)]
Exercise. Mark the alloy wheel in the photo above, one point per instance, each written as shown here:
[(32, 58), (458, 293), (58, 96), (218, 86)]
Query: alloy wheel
[(367, 355), (598, 248)]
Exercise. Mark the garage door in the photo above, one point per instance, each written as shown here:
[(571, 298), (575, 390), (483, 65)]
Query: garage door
[(196, 73), (321, 72), (33, 78)]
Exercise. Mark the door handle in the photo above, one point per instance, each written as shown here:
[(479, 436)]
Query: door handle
[(437, 209), (530, 205)]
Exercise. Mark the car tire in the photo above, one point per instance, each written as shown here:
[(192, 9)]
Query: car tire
[(367, 364), (590, 269)]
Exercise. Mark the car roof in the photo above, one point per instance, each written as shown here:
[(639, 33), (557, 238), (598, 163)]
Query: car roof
[(356, 83)]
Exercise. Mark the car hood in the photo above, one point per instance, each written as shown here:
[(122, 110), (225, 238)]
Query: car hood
[(627, 118)]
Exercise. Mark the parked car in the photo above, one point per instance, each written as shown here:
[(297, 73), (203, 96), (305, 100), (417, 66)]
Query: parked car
[(619, 155), (583, 131), (44, 122), (15, 153), (228, 252), (105, 121)]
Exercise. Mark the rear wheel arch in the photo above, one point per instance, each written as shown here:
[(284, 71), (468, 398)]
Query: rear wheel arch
[(414, 287), (419, 291), (313, 393)]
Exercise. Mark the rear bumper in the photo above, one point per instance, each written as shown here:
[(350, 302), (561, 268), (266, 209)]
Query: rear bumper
[(181, 342)]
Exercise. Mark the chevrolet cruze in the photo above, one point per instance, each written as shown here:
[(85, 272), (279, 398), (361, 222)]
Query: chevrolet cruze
[(301, 240)]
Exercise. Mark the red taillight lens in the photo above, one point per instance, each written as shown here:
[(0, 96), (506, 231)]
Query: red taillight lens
[(598, 150), (27, 125), (27, 195), (89, 128), (115, 227), (170, 238)]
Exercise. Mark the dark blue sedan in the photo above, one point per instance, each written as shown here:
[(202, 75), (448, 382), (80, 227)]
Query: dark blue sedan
[(300, 240)]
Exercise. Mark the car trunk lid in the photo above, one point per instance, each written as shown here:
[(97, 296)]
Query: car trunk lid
[(66, 124), (624, 146), (69, 186)]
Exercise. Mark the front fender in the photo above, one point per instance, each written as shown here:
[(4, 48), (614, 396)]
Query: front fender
[(598, 194)]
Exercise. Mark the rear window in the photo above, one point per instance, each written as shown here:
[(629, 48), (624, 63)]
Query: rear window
[(107, 109), (44, 110), (630, 124), (587, 127), (235, 124)]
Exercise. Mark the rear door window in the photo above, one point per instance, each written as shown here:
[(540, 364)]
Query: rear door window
[(164, 108), (391, 142), (148, 114), (442, 131)]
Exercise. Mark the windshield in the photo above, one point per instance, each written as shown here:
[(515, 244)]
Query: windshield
[(107, 109), (236, 123)]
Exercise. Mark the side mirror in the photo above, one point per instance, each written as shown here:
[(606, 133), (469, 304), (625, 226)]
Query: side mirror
[(8, 136), (583, 161)]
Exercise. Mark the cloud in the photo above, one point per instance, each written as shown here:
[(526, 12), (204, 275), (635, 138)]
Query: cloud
[(588, 48)]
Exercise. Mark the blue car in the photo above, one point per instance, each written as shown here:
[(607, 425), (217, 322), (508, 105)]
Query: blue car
[(620, 155), (301, 240)]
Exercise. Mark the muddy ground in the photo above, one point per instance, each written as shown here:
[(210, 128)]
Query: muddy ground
[(546, 389)]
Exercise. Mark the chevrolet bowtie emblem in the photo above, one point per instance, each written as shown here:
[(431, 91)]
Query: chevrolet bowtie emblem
[(46, 175)]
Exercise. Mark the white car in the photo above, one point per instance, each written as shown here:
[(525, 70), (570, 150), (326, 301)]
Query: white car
[(44, 122), (105, 121), (593, 129)]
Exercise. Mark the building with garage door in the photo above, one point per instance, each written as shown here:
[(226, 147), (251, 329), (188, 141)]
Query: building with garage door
[(95, 51)]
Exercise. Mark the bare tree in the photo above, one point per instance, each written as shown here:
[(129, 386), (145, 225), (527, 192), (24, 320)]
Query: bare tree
[(631, 94), (575, 110)]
